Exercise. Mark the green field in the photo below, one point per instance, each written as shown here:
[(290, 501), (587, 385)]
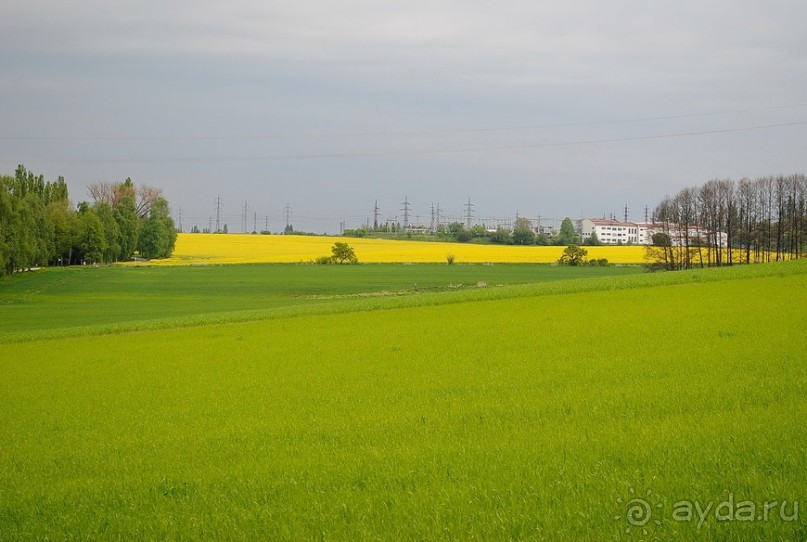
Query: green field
[(537, 410), (52, 300)]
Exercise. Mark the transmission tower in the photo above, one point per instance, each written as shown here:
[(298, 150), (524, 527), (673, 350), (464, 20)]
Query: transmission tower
[(468, 206), (287, 215), (407, 208), (244, 218), (218, 214), (375, 216)]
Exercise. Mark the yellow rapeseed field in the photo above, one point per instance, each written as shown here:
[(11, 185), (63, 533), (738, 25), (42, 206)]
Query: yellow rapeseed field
[(200, 248)]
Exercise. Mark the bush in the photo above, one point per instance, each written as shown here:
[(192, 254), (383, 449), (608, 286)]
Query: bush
[(450, 259), (463, 236)]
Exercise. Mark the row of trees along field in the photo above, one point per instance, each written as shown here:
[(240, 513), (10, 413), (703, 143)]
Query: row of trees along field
[(522, 233), (39, 226), (725, 221)]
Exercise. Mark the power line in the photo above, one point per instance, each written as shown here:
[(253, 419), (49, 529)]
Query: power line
[(424, 152), (435, 131)]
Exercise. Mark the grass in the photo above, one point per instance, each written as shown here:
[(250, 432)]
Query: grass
[(53, 299), (532, 412)]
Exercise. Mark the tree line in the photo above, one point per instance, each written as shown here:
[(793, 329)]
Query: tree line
[(39, 226), (522, 233), (724, 221)]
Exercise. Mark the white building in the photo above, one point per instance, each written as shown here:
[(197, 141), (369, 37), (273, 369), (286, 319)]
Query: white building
[(615, 232), (610, 232)]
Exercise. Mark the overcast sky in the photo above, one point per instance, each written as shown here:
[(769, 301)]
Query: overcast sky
[(572, 108)]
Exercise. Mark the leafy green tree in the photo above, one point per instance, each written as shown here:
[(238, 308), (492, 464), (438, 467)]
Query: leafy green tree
[(463, 236), (91, 239), (661, 239), (573, 255), (125, 215), (62, 220), (112, 233), (479, 231), (567, 235), (342, 252), (542, 239), (158, 233), (25, 242), (501, 237), (592, 240), (455, 227), (151, 240), (6, 225), (523, 234)]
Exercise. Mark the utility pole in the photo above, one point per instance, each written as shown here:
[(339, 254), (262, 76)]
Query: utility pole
[(218, 214), (406, 209), (468, 206), (266, 227), (375, 216), (180, 219), (255, 223), (210, 224)]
